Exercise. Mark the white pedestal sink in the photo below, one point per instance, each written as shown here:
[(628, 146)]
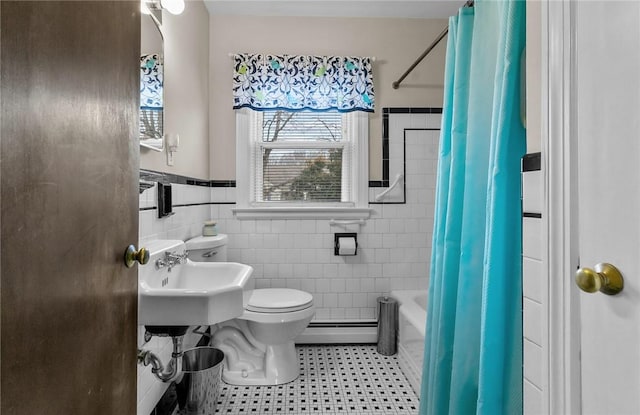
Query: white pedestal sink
[(189, 293)]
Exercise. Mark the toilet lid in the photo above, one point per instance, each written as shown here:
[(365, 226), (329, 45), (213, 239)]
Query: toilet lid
[(278, 300)]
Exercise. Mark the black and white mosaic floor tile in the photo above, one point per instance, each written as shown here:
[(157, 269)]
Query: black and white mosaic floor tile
[(333, 380)]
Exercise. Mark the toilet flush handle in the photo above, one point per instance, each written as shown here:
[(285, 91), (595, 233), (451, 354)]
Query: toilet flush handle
[(209, 254)]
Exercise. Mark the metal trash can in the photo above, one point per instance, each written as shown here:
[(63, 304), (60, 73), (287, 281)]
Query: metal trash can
[(387, 325), (200, 385)]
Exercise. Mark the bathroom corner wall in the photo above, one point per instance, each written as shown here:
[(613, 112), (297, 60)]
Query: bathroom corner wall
[(534, 287), (534, 283), (186, 50)]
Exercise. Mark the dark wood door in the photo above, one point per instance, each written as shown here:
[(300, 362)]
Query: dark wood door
[(69, 206)]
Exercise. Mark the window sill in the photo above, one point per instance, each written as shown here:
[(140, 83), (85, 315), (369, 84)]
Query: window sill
[(352, 213)]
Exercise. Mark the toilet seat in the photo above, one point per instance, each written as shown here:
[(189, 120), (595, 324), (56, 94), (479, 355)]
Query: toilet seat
[(278, 300)]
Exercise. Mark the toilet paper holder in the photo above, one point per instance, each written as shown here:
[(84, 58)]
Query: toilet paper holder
[(336, 243)]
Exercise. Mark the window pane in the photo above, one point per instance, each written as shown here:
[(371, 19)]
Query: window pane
[(301, 175), (279, 126), (151, 124)]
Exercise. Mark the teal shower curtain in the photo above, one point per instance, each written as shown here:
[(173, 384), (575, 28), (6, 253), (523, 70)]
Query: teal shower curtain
[(473, 344)]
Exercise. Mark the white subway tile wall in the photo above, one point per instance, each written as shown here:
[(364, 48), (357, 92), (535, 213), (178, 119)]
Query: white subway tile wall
[(532, 367), (532, 191), (185, 223), (394, 246), (532, 399), (534, 288)]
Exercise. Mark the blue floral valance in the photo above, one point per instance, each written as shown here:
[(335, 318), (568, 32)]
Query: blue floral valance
[(288, 82), (151, 81)]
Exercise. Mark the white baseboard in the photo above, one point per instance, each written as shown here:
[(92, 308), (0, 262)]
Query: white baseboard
[(338, 335)]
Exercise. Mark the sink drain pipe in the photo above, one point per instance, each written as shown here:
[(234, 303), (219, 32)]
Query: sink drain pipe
[(147, 357)]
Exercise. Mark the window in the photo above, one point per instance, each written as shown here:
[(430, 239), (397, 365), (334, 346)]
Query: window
[(293, 161), (301, 157)]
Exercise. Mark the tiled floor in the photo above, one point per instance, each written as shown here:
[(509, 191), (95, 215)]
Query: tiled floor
[(333, 380)]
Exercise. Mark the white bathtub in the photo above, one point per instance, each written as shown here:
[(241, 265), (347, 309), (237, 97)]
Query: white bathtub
[(412, 321)]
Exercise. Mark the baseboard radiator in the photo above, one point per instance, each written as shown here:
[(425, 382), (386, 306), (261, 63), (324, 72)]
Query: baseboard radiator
[(339, 332)]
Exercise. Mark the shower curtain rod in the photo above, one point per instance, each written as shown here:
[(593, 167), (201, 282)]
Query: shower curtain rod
[(442, 34)]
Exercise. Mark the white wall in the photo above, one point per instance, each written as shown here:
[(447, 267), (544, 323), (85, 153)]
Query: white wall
[(395, 43), (533, 68), (150, 37), (186, 81), (534, 288)]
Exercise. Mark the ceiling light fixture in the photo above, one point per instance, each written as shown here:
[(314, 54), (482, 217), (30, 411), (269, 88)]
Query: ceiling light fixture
[(173, 6)]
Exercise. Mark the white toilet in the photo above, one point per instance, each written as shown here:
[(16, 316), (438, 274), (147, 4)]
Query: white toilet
[(259, 345)]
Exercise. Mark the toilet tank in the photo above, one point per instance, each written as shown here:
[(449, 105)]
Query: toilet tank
[(207, 248)]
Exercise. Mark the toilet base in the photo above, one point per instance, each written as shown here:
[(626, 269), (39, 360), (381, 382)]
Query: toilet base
[(280, 366)]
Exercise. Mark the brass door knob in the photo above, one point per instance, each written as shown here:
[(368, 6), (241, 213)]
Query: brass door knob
[(131, 256), (604, 278)]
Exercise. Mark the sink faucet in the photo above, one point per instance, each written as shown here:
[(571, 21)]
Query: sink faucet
[(171, 259)]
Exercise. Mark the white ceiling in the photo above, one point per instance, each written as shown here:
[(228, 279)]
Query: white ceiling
[(336, 8)]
